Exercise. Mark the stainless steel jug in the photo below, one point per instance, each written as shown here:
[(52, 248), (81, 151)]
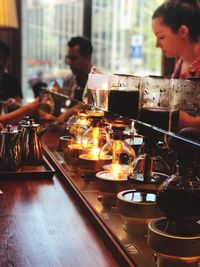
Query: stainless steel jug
[(10, 149), (31, 144)]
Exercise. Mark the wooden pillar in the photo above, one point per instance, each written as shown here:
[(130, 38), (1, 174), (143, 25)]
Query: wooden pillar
[(87, 19), (13, 38)]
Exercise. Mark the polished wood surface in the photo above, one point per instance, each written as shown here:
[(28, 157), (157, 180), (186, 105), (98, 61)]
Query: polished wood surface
[(129, 250), (67, 173), (42, 225)]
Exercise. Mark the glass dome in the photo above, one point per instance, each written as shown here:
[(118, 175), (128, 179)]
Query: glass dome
[(121, 155), (94, 138)]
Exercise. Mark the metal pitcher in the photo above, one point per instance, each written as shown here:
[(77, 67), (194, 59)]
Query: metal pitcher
[(31, 144), (10, 149)]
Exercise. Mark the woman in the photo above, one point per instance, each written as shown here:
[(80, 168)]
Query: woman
[(176, 25)]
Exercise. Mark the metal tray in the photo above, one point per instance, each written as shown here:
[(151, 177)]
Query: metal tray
[(44, 170)]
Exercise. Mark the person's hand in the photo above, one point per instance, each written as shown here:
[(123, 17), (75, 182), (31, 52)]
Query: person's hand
[(46, 117), (66, 115), (62, 117), (9, 102), (34, 105)]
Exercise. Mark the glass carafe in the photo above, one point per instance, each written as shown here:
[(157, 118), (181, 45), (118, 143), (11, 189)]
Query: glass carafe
[(120, 152), (179, 197), (97, 92), (94, 138), (77, 125), (154, 106), (185, 105), (124, 96), (150, 166)]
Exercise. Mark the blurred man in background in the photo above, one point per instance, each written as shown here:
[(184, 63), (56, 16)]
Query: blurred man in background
[(79, 59)]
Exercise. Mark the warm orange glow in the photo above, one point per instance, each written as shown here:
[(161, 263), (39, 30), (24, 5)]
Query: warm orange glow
[(95, 137), (95, 113), (94, 152), (93, 143), (75, 146), (8, 14), (84, 122), (117, 149), (120, 170), (116, 170), (90, 156)]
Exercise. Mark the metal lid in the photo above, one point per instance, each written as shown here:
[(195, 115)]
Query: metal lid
[(138, 204)]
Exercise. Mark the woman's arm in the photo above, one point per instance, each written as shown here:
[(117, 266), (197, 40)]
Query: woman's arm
[(71, 111), (186, 120)]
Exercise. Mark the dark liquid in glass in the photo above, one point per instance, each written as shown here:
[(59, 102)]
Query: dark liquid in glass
[(124, 103), (178, 203)]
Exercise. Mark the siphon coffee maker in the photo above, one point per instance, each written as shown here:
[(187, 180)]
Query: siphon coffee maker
[(71, 143), (175, 238), (96, 97), (120, 152), (179, 196), (94, 138), (97, 135), (117, 167), (150, 167)]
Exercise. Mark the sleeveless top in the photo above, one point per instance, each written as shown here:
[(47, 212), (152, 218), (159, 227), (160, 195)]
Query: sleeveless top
[(192, 71)]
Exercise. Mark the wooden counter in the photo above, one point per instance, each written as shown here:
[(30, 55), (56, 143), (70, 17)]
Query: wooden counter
[(42, 225), (128, 250)]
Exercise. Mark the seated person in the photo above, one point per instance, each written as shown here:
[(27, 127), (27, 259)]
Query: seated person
[(79, 60), (38, 85), (176, 27)]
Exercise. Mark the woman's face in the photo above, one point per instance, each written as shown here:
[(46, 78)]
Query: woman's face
[(170, 42)]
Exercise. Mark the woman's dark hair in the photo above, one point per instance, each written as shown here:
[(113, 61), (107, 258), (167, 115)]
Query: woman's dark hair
[(181, 12), (84, 44), (5, 48)]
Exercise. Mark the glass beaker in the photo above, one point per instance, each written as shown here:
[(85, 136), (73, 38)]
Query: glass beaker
[(123, 98), (94, 138), (77, 125), (178, 197), (150, 166), (121, 154), (97, 91), (154, 106), (185, 105)]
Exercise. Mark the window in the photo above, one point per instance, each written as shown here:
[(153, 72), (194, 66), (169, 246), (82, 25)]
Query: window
[(123, 29), (121, 35), (47, 27)]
